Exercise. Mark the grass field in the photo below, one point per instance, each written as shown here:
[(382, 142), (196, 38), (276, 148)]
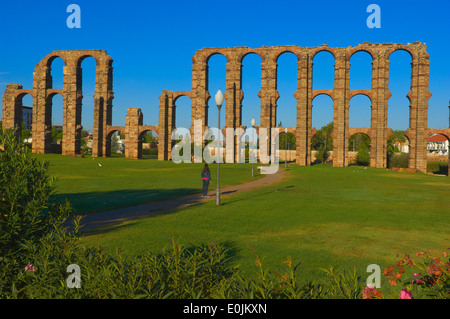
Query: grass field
[(121, 182), (347, 218)]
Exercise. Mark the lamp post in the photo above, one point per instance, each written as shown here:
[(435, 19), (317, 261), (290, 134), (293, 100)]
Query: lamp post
[(219, 102), (253, 135), (289, 148), (285, 147)]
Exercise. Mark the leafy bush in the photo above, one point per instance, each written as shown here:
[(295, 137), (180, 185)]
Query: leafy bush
[(26, 212), (436, 167), (363, 156), (322, 154), (398, 160), (37, 244)]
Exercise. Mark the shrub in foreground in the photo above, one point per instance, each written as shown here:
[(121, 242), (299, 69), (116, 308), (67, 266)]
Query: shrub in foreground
[(36, 248)]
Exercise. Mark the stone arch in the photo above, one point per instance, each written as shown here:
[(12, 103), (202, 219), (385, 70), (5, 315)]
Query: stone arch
[(110, 133), (142, 131), (405, 48), (354, 146), (286, 98), (185, 96), (371, 115), (249, 91), (323, 51), (438, 151), (51, 75), (398, 105), (361, 48), (355, 78), (86, 102), (316, 94), (404, 148)]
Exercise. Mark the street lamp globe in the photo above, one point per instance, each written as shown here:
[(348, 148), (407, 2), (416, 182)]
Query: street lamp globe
[(219, 98)]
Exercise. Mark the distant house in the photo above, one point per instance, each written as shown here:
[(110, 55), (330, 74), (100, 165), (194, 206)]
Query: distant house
[(27, 116), (437, 144)]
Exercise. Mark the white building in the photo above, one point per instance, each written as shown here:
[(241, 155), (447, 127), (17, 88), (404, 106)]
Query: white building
[(27, 116), (438, 144)]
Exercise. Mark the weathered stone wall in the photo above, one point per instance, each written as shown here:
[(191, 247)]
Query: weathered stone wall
[(341, 94), (379, 94)]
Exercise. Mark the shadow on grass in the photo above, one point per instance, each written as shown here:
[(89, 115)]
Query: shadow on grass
[(257, 195), (90, 202)]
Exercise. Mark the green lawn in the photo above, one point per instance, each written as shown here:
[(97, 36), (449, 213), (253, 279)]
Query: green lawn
[(121, 182), (343, 217)]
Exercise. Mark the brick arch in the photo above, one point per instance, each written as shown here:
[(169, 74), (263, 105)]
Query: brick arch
[(323, 48), (47, 61), (177, 94), (329, 93), (444, 132), (112, 129), (21, 93), (405, 48), (363, 130), (361, 48), (249, 52), (209, 55), (143, 129), (367, 93), (287, 50)]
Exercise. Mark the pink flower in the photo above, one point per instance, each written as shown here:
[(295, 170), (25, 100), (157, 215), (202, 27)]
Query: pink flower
[(30, 268), (405, 294), (417, 281)]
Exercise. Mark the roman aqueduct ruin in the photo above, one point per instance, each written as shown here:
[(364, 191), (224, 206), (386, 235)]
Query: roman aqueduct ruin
[(379, 94)]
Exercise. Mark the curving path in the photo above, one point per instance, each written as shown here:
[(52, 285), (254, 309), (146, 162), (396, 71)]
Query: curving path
[(106, 218)]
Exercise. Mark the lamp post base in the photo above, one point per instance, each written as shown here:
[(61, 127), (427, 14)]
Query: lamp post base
[(218, 196)]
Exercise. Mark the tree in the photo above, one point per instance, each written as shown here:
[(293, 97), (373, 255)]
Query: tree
[(322, 138), (57, 134), (395, 140), (290, 141), (363, 156), (357, 141)]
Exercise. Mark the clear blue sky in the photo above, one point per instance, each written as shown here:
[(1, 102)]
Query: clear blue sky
[(152, 43)]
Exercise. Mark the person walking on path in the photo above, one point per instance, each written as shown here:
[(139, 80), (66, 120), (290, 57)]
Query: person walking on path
[(206, 177)]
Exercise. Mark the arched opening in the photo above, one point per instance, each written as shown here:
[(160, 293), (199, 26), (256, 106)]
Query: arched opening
[(116, 140), (323, 71), (399, 86), (56, 80), (286, 87), (183, 112), (322, 111), (438, 157), (398, 150), (359, 146), (148, 144), (250, 142), (217, 72), (322, 122), (26, 101), (56, 110), (360, 111), (86, 81), (287, 146), (251, 85), (360, 71)]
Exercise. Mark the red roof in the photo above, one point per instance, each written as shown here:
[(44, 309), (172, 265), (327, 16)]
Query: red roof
[(437, 138)]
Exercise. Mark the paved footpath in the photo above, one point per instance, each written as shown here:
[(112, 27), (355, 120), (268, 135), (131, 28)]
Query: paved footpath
[(106, 218)]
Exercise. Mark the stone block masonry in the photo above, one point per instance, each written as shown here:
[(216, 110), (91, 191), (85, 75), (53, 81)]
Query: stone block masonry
[(379, 94)]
